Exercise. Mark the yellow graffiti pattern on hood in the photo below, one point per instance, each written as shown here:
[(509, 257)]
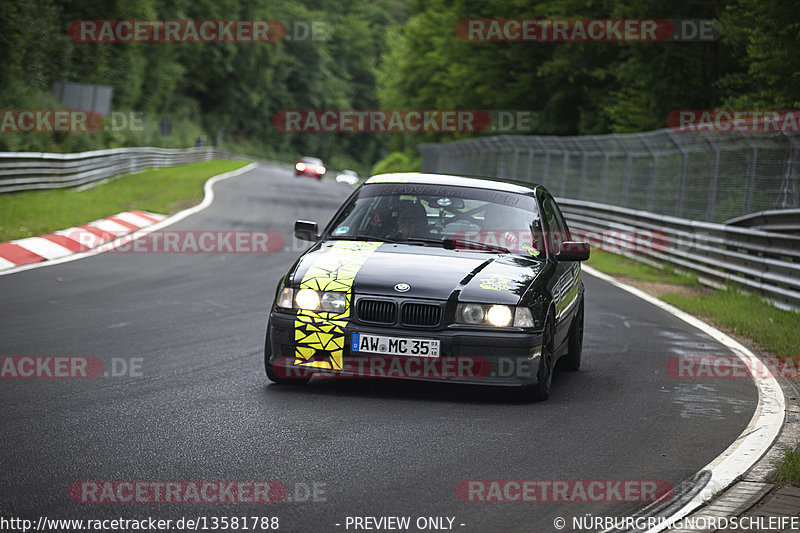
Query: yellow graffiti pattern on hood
[(319, 335)]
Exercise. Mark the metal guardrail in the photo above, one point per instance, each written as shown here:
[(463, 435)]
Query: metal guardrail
[(779, 220), (21, 171), (767, 263)]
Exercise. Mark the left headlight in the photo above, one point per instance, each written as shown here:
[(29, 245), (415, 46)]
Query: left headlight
[(311, 300), (500, 316)]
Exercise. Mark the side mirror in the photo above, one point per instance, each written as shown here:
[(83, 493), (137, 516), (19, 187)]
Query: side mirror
[(573, 251), (305, 230)]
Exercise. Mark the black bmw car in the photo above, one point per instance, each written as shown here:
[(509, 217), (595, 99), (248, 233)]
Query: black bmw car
[(431, 277)]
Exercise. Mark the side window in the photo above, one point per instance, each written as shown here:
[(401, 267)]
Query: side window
[(556, 230)]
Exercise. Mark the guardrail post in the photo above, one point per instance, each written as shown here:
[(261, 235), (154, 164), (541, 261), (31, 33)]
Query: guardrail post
[(751, 174), (626, 178), (546, 171), (564, 166), (788, 198), (682, 180), (584, 171), (514, 162), (651, 187), (529, 172), (651, 191), (604, 177), (482, 154), (532, 156), (498, 163), (472, 157), (712, 187)]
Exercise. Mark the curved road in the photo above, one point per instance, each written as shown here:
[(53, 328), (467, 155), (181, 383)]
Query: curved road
[(202, 408)]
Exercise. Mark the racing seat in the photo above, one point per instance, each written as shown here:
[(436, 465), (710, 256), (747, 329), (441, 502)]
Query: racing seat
[(494, 218), (414, 219)]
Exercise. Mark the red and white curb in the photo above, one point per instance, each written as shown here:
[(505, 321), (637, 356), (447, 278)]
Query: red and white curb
[(73, 240), (96, 237)]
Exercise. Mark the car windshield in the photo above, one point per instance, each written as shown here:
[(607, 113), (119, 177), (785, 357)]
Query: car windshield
[(465, 217)]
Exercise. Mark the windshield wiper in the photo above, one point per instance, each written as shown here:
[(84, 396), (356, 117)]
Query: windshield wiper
[(452, 243), (358, 238), (422, 240)]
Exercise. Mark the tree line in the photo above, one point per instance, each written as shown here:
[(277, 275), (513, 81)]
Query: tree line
[(390, 54)]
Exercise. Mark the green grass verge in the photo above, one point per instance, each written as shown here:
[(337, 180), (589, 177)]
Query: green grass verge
[(619, 265), (749, 315), (163, 190), (746, 314), (787, 468)]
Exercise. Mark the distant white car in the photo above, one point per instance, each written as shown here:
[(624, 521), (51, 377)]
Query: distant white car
[(350, 177)]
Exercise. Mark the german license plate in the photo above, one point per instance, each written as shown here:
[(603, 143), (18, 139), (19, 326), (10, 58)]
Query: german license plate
[(410, 346)]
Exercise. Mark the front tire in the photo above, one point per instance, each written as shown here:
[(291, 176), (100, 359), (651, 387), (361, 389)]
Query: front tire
[(270, 370), (572, 361), (541, 391)]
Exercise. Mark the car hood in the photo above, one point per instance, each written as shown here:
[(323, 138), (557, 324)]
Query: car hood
[(430, 272)]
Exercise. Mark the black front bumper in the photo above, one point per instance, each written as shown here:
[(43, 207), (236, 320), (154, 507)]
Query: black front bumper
[(488, 357)]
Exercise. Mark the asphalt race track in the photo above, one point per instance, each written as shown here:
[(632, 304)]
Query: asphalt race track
[(202, 408)]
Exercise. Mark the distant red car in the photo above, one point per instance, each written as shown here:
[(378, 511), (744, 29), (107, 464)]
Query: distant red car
[(310, 166)]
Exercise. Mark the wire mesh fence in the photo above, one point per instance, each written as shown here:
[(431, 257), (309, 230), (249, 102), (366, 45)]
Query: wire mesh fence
[(706, 176)]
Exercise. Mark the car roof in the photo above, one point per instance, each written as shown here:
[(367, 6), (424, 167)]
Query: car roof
[(458, 181), (314, 159)]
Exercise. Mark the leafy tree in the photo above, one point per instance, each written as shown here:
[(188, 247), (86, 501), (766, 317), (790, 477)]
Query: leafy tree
[(765, 36)]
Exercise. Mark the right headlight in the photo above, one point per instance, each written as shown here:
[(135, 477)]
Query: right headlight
[(334, 302), (496, 315)]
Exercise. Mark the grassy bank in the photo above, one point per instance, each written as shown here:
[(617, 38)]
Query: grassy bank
[(774, 330), (619, 265), (163, 190)]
